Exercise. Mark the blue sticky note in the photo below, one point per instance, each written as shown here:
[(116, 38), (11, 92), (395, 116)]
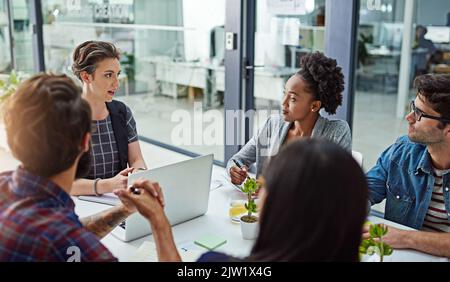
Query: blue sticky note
[(210, 242)]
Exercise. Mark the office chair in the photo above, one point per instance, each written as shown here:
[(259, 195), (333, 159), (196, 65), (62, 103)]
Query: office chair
[(358, 157)]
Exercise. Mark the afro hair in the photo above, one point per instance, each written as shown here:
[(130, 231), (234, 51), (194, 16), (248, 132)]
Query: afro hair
[(324, 79)]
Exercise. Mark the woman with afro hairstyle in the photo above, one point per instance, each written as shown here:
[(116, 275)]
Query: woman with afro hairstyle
[(317, 85)]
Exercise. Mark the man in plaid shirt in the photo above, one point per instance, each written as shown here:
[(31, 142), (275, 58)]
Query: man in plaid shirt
[(48, 129)]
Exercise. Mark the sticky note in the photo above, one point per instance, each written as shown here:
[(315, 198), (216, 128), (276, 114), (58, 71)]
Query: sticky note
[(210, 242)]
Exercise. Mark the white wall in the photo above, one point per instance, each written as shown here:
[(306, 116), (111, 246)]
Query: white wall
[(202, 16), (155, 42), (428, 12), (432, 12), (161, 12)]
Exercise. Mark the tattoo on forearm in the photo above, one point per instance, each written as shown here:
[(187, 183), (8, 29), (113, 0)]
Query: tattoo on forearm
[(102, 223)]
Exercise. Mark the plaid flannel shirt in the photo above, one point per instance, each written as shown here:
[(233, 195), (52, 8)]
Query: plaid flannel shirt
[(38, 223)]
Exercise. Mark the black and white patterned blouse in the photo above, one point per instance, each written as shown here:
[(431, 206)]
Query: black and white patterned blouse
[(104, 150)]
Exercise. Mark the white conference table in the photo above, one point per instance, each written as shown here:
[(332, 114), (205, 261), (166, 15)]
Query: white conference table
[(217, 221)]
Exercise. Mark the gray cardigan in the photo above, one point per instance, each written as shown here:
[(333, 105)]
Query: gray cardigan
[(268, 140)]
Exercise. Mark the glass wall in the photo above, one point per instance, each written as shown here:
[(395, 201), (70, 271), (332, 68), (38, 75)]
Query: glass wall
[(22, 36), (172, 62), (5, 46), (284, 33), (380, 104), (21, 57)]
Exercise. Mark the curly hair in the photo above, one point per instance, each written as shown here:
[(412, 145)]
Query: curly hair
[(324, 79)]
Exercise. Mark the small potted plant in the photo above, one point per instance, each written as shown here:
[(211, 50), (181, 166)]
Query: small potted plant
[(374, 244), (249, 222)]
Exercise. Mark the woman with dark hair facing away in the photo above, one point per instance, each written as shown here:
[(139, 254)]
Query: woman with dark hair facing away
[(304, 216), (317, 85), (115, 149)]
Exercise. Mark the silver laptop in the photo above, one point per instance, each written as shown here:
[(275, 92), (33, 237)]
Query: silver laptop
[(186, 188)]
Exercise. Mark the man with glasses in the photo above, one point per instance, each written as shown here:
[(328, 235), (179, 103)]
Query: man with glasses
[(413, 175)]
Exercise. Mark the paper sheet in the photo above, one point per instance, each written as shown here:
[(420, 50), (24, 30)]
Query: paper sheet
[(147, 253)]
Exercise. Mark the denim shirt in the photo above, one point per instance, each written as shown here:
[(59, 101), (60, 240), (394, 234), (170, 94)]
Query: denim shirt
[(404, 177)]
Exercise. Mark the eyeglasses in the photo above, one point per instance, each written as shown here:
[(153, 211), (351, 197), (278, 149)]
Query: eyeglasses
[(419, 114)]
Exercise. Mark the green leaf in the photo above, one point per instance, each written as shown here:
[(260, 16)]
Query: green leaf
[(252, 206), (387, 249), (13, 77), (377, 231), (384, 230), (373, 231), (9, 86), (365, 244), (380, 231), (250, 186), (362, 250)]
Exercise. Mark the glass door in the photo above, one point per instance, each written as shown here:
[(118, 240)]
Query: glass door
[(284, 32), (173, 54)]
